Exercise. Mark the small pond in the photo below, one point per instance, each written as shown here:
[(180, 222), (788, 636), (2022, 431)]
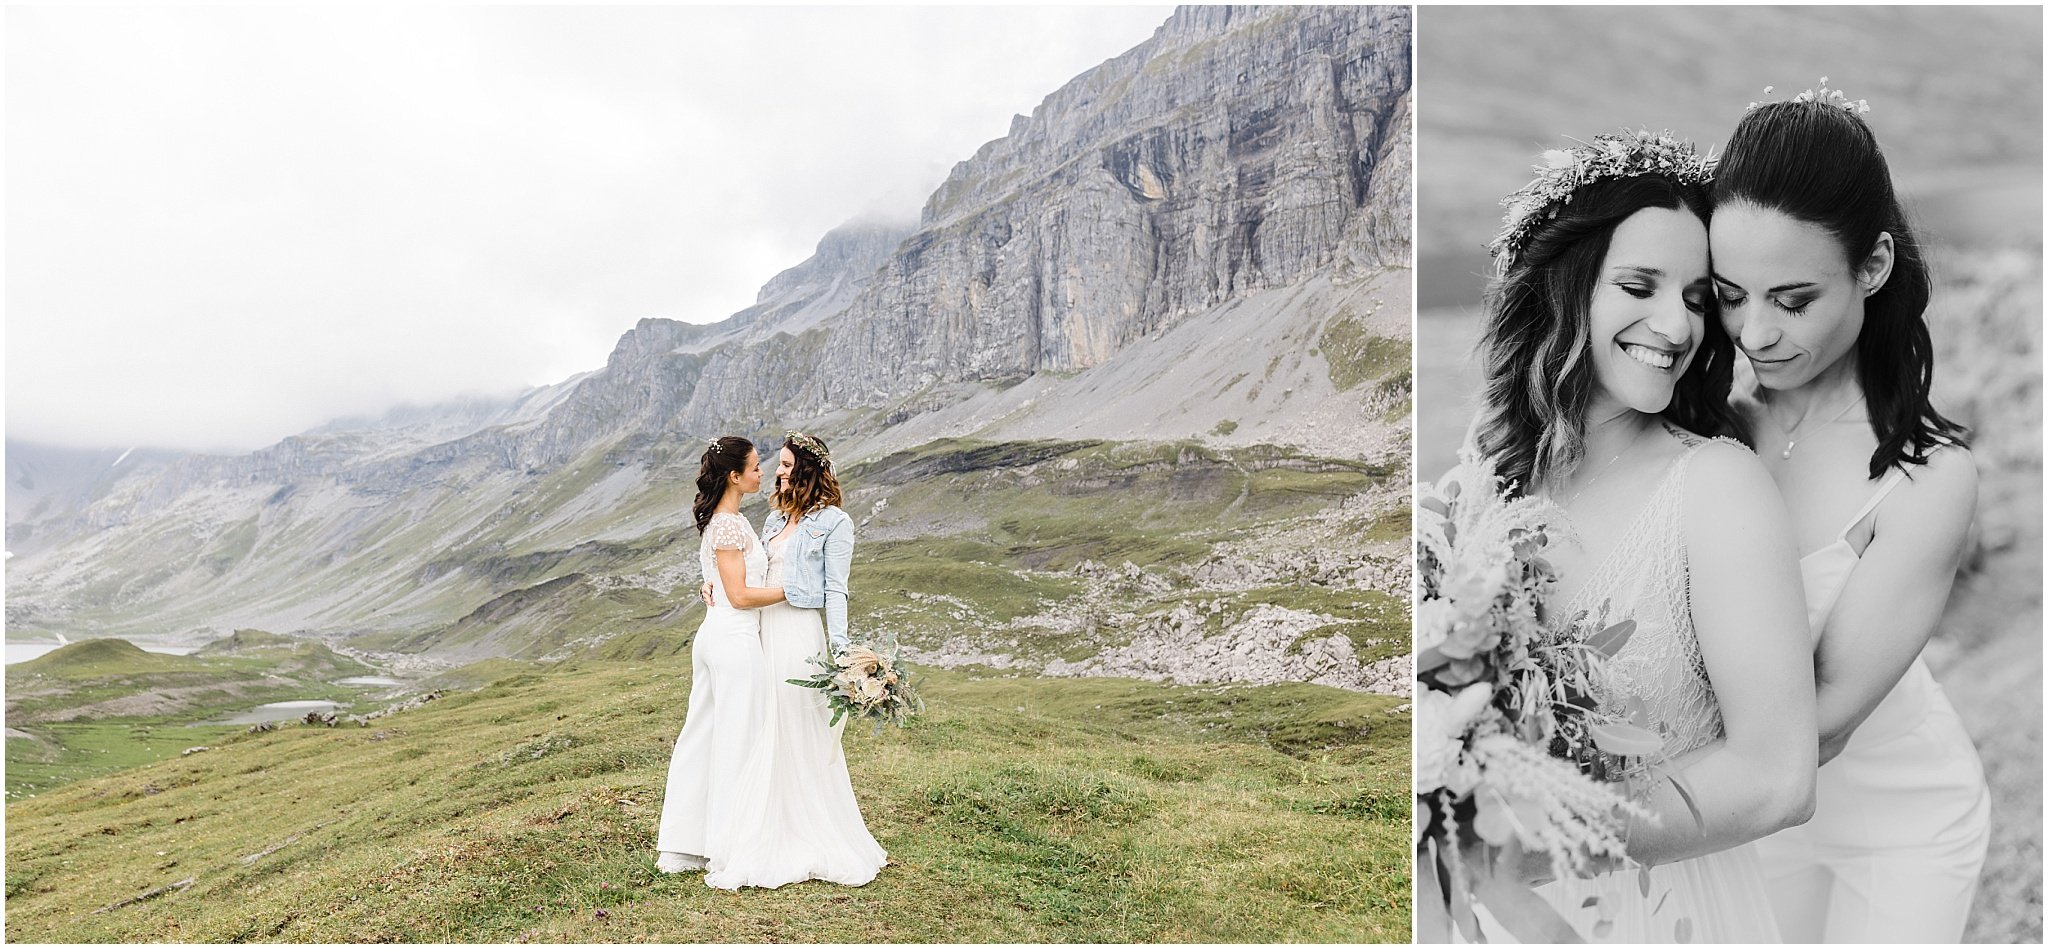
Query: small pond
[(278, 712)]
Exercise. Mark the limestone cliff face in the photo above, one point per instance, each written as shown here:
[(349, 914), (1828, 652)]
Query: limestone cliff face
[(1238, 149)]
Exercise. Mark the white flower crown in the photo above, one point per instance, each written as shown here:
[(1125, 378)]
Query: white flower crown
[(1826, 96), (1565, 171)]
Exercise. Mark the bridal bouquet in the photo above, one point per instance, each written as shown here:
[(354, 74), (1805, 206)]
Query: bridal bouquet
[(1512, 747), (866, 683)]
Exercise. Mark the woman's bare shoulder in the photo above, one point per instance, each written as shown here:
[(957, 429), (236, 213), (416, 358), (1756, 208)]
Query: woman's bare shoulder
[(1943, 489), (1724, 473)]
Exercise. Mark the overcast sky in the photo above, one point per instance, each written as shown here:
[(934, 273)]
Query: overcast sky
[(228, 225)]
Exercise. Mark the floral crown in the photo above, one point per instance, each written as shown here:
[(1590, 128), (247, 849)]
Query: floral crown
[(809, 444), (1825, 96), (1565, 171)]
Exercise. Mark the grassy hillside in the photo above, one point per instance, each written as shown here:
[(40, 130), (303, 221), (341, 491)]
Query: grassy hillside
[(101, 705), (1019, 809)]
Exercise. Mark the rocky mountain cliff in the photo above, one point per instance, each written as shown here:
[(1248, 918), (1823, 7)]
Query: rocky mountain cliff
[(1203, 239)]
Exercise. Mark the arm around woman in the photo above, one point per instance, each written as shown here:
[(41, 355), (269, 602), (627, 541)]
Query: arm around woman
[(1749, 613)]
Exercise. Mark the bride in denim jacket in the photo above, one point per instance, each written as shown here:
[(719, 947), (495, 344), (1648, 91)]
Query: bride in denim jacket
[(820, 550), (798, 819)]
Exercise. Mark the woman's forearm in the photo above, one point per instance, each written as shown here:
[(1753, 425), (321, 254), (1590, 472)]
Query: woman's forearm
[(1841, 712), (1740, 798), (732, 570), (751, 598)]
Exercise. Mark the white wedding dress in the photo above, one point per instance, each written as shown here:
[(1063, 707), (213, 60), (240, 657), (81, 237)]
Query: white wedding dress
[(1719, 897), (727, 701), (1901, 817), (797, 818)]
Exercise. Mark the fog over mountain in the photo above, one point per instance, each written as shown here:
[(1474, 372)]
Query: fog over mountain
[(230, 224)]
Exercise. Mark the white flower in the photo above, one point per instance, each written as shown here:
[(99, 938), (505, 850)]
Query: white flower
[(1442, 720)]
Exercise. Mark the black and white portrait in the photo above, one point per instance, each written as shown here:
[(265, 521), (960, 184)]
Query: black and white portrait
[(1729, 463)]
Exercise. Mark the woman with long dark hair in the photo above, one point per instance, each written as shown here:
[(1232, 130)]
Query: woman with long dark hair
[(800, 820), (1604, 378), (727, 694), (1823, 287)]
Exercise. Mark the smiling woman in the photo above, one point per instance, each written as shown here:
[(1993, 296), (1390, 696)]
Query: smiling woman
[(1622, 263)]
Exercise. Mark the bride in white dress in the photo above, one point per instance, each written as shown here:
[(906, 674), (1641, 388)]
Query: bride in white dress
[(727, 695), (1600, 365), (1882, 493)]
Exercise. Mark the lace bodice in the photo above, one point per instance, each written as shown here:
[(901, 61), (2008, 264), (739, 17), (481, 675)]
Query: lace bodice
[(1647, 578), (731, 532)]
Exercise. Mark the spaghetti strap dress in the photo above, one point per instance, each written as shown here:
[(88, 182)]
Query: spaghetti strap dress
[(1901, 817)]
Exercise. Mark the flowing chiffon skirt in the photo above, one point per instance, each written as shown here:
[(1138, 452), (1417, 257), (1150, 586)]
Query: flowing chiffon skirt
[(1716, 898), (798, 819)]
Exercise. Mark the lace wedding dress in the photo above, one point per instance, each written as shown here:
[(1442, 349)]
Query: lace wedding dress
[(727, 699), (798, 819), (1718, 897)]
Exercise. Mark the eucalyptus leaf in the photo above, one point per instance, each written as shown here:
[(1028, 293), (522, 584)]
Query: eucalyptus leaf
[(1685, 794), (1522, 913), (1609, 641)]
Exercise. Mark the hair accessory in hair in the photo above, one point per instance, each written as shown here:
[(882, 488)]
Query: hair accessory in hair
[(1826, 96), (808, 444), (1565, 171)]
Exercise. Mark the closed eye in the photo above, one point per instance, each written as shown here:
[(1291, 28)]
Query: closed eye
[(1637, 290)]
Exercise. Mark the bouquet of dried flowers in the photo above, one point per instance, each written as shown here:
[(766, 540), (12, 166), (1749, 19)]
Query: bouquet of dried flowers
[(867, 682), (1519, 746)]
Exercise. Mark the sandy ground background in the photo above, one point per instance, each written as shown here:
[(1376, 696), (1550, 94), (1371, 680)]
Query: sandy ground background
[(1955, 95)]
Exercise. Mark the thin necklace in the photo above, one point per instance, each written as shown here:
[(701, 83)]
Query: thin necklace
[(1602, 470), (1792, 435)]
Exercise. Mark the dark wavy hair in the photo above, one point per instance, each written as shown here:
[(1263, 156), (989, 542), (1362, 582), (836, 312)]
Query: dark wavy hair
[(726, 457), (1535, 351), (1819, 163), (810, 485)]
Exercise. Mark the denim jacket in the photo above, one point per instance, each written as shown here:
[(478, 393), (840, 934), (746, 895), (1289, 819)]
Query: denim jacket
[(817, 561)]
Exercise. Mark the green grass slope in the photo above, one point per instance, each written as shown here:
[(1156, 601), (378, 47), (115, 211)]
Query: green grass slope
[(1018, 809), (101, 705), (92, 658)]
